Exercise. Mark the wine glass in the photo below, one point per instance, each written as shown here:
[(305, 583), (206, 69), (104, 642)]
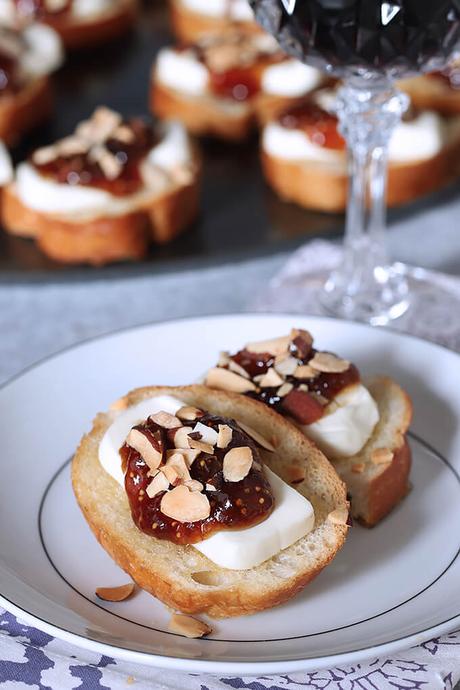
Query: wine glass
[(368, 44)]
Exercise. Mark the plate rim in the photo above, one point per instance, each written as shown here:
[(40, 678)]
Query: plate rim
[(214, 666)]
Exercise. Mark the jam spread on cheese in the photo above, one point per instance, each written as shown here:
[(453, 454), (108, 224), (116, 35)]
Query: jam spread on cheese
[(105, 152), (233, 504), (319, 125)]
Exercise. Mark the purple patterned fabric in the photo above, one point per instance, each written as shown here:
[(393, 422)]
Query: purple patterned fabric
[(30, 659)]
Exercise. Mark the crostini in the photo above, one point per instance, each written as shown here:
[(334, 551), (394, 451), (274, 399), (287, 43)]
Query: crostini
[(304, 157), (193, 19), (360, 426), (438, 91), (106, 192), (224, 84), (191, 492)]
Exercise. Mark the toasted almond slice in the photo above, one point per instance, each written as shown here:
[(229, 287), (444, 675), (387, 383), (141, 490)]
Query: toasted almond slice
[(45, 155), (116, 593), (284, 389), (271, 379), (328, 363), (189, 454), (339, 516), (189, 413), (124, 134), (234, 366), (211, 487), (171, 475), (323, 401), (201, 446), (237, 463), (181, 439), (160, 482), (382, 456), (296, 473), (287, 366), (208, 434), (358, 467), (305, 371), (140, 442), (194, 485), (184, 505), (258, 438), (274, 346), (177, 462), (166, 420), (188, 626), (228, 381), (70, 146), (225, 435), (224, 359), (302, 333)]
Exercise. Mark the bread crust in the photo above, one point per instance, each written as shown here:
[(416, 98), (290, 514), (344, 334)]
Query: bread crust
[(84, 34), (21, 112), (323, 187), (189, 26), (428, 93), (103, 239), (159, 566)]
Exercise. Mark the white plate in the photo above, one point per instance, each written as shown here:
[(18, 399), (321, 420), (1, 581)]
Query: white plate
[(391, 587)]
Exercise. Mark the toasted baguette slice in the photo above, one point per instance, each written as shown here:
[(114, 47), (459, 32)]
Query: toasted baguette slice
[(21, 112), (430, 93), (103, 239), (189, 26), (180, 575), (324, 187), (84, 33), (376, 486)]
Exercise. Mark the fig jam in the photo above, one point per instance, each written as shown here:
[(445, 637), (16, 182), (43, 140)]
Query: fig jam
[(320, 126), (82, 169), (234, 505)]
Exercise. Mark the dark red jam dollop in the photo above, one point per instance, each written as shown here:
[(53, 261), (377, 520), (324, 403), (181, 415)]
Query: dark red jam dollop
[(234, 505), (113, 165), (320, 126)]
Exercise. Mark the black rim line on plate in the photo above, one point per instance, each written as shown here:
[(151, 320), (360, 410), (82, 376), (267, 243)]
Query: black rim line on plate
[(417, 438)]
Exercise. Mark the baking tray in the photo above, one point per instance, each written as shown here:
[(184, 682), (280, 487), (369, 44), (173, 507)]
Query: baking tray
[(240, 217)]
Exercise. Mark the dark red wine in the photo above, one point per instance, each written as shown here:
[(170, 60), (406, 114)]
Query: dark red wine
[(397, 37)]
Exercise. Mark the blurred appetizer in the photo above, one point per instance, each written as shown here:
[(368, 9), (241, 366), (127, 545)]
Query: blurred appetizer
[(439, 91), (106, 192), (193, 19), (360, 426), (6, 169), (190, 491), (80, 23), (304, 155), (27, 59), (225, 84)]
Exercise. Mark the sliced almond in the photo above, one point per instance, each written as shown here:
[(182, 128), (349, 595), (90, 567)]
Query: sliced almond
[(287, 366), (382, 456), (181, 439), (171, 475), (124, 134), (358, 467), (271, 379), (211, 487), (274, 346), (328, 363), (177, 462), (194, 485), (224, 359), (160, 482), (166, 420), (208, 434), (189, 413), (237, 463), (225, 380), (45, 155), (339, 516), (116, 593), (284, 389), (224, 436), (235, 367), (296, 473), (305, 371), (184, 505), (258, 438), (141, 442), (188, 626), (189, 454), (201, 446), (302, 333), (71, 146), (322, 400)]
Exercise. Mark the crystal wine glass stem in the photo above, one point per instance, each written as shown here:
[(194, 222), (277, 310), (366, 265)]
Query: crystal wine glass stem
[(365, 287)]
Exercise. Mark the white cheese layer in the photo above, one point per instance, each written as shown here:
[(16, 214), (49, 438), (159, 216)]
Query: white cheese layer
[(182, 72), (6, 167), (43, 194), (290, 79), (420, 139), (345, 430), (86, 9), (236, 10), (291, 519)]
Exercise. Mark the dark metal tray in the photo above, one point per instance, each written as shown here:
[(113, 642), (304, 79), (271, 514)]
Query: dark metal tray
[(240, 217)]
